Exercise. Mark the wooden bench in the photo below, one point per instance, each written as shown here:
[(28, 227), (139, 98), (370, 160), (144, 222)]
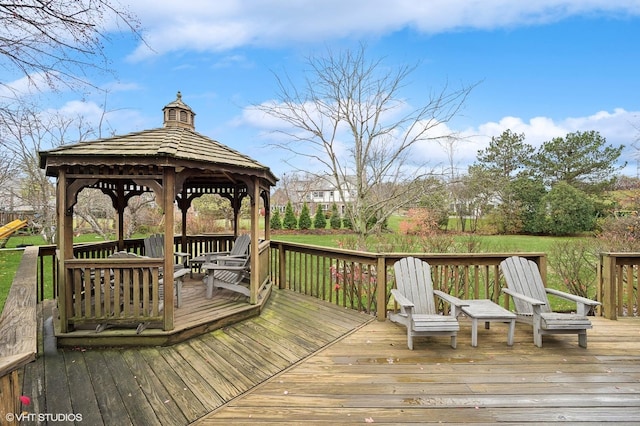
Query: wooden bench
[(18, 331)]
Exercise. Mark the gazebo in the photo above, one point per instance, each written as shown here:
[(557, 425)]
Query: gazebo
[(178, 165)]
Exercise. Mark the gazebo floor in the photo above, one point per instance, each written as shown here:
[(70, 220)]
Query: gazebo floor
[(197, 315), (307, 361)]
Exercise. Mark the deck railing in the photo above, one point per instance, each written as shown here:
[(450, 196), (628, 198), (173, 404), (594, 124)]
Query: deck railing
[(18, 333), (351, 279), (363, 280), (619, 278)]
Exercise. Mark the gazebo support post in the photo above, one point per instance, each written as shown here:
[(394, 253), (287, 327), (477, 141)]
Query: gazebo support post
[(168, 194), (121, 203), (255, 254), (65, 246)]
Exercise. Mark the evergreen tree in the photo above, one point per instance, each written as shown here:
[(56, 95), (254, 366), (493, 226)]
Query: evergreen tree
[(275, 222), (581, 159), (346, 223), (335, 222), (304, 221), (319, 221), (566, 210), (290, 221)]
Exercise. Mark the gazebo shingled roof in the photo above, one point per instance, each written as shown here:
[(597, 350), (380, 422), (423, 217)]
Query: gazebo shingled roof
[(175, 162), (171, 144)]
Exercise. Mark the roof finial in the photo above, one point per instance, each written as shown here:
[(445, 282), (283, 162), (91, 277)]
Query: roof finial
[(179, 96)]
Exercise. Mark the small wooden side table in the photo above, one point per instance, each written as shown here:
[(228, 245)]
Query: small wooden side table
[(487, 311)]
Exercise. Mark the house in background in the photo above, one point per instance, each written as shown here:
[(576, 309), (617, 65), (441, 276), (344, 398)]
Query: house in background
[(319, 192)]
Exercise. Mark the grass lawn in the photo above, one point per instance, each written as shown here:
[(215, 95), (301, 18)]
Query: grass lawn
[(488, 243)]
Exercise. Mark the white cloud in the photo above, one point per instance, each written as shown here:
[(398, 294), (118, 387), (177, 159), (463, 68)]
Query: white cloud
[(203, 25), (619, 127), (28, 85)]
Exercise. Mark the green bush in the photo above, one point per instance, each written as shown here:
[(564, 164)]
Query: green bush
[(319, 221), (335, 222), (566, 211), (290, 221), (346, 223), (275, 222), (304, 221)]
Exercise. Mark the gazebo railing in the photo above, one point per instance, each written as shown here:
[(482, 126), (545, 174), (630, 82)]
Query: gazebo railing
[(113, 291), (47, 268)]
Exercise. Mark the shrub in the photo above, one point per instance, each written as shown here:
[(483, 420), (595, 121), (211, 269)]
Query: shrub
[(575, 264), (335, 222), (420, 221), (319, 221), (290, 221), (346, 223), (304, 221), (621, 234), (275, 222), (567, 210)]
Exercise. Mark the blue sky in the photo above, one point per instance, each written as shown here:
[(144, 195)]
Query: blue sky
[(544, 69)]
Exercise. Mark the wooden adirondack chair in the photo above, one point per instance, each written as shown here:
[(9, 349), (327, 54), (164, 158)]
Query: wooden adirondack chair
[(525, 286), (154, 247), (240, 248), (227, 272), (415, 295)]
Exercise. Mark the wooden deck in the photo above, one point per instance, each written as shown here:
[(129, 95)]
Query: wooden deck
[(371, 377), (305, 361), (175, 385)]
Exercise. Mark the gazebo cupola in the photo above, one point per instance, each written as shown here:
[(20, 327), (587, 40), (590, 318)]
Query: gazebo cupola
[(179, 114)]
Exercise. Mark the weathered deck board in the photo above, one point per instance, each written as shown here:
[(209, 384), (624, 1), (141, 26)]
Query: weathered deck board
[(371, 376), (176, 385)]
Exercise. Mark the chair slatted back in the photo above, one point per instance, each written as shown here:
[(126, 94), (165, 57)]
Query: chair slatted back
[(413, 279), (523, 276), (241, 246)]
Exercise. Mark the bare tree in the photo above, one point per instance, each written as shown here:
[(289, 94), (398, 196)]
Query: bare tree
[(24, 133), (350, 119), (48, 44), (58, 42)]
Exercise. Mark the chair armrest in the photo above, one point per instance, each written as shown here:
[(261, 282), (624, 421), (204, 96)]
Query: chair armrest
[(573, 297), (452, 300), (401, 299), (180, 273), (231, 259), (455, 303), (213, 254), (583, 305), (531, 300), (217, 267)]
